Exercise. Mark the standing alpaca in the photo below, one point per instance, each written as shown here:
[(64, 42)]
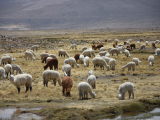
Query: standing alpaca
[(129, 65), (91, 79), (67, 84), (151, 60), (7, 69), (74, 46), (76, 57), (53, 75), (133, 46), (66, 70), (62, 52), (5, 59), (20, 80), (112, 63), (142, 47), (136, 60), (28, 55), (72, 61), (86, 61), (126, 87), (17, 68), (99, 61), (84, 88), (52, 62)]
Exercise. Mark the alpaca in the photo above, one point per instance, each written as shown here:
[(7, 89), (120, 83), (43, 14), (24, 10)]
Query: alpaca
[(52, 62), (67, 84)]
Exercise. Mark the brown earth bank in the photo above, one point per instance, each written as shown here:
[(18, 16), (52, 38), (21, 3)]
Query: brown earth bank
[(55, 105)]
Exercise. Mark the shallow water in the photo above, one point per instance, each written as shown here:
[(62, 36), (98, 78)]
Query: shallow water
[(152, 115), (15, 114)]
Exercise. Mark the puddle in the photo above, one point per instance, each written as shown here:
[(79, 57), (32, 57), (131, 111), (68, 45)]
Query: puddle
[(15, 114), (152, 115)]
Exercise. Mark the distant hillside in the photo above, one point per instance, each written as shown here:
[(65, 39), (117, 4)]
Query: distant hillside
[(79, 14)]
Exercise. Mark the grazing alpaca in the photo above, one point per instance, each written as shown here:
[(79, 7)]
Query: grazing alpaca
[(153, 45), (76, 57), (133, 46), (67, 84), (99, 46), (44, 59), (126, 87), (94, 47), (51, 63)]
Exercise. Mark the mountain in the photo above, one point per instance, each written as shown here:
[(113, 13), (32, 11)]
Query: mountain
[(78, 14)]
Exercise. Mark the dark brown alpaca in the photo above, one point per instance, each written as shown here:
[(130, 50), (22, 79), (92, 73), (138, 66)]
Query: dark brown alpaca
[(44, 59), (128, 46), (51, 63), (153, 45), (105, 40), (99, 46), (76, 57), (94, 47), (133, 46), (124, 42), (67, 84), (114, 45)]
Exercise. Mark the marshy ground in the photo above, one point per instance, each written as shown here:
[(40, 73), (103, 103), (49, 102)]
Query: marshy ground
[(146, 79)]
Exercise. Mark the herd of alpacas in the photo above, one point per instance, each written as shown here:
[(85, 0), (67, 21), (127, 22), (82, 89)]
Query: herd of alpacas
[(103, 59)]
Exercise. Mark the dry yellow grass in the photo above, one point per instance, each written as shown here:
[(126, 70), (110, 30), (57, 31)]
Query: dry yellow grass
[(145, 78)]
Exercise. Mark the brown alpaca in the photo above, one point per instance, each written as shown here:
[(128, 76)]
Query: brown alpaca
[(99, 45), (128, 46), (94, 47), (51, 63), (67, 84), (44, 59), (153, 45), (105, 40), (133, 46), (76, 57), (46, 51), (124, 42), (114, 45)]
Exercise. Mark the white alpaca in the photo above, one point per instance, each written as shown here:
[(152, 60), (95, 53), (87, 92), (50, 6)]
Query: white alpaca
[(112, 63), (35, 47), (107, 55), (102, 53), (7, 69), (2, 73), (129, 65), (106, 59), (13, 59), (142, 47), (126, 87), (81, 57), (102, 49), (74, 46), (17, 68), (66, 70), (28, 55), (5, 59), (42, 55), (62, 52), (157, 52), (99, 61), (86, 61), (138, 43), (84, 88), (66, 61), (136, 60), (127, 53), (90, 72), (151, 60), (92, 80), (20, 80), (53, 56), (114, 50), (53, 75), (147, 43), (72, 61), (84, 48), (48, 58), (31, 52)]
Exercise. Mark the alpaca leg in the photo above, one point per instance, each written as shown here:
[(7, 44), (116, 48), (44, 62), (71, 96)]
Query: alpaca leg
[(63, 90), (54, 82), (31, 88), (18, 88), (129, 92), (26, 89), (133, 94), (80, 94)]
